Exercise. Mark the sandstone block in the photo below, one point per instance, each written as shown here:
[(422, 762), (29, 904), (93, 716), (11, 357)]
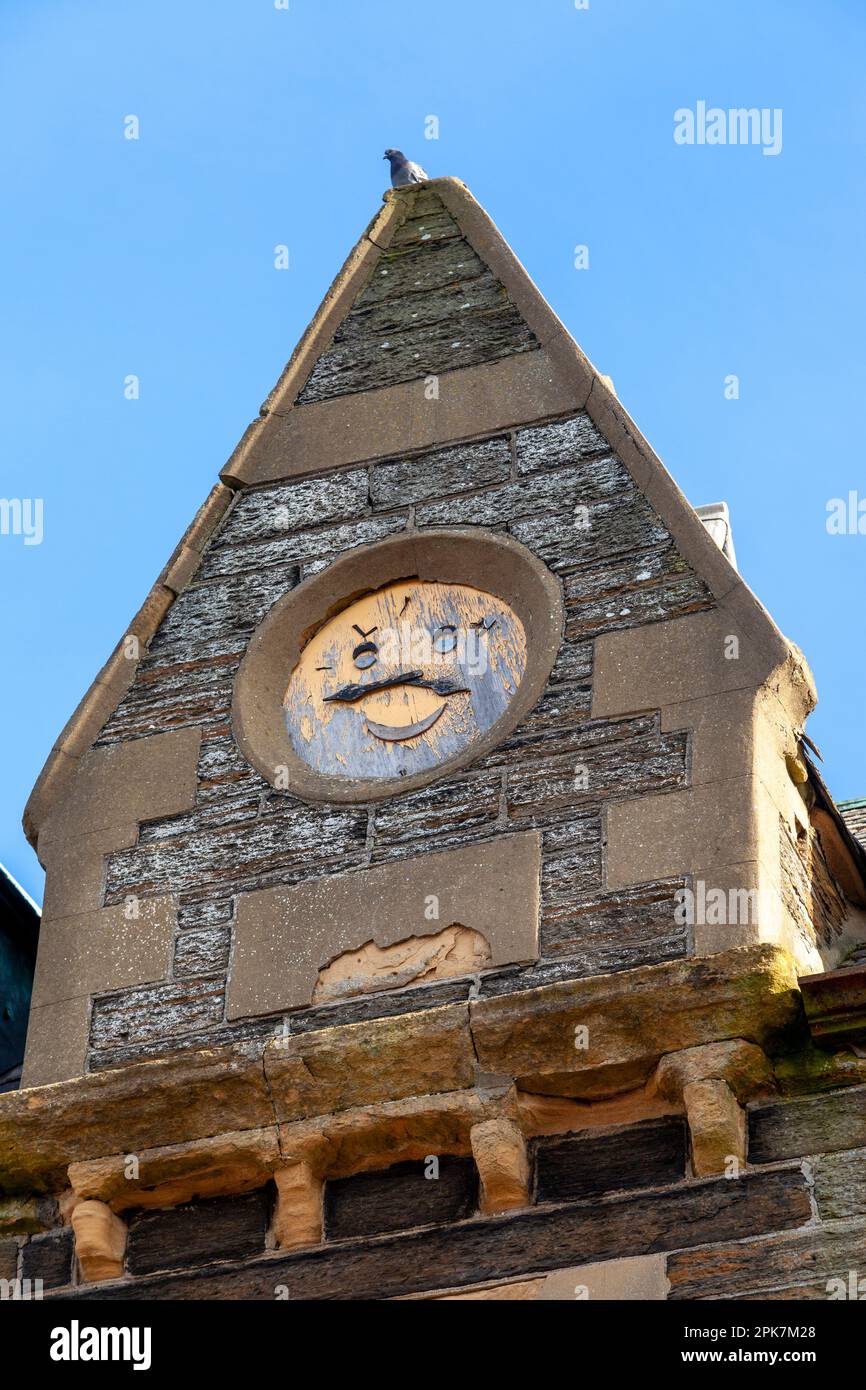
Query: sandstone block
[(717, 1126), (100, 1241), (297, 1217), (499, 1149)]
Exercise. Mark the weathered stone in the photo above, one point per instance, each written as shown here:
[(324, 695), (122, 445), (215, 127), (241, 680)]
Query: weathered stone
[(247, 1035), (392, 333), (374, 1137), (48, 1257), (9, 1259), (796, 1261), (741, 1064), (440, 473), (499, 1150), (284, 936), (530, 1034), (432, 268), (750, 992), (432, 1190), (297, 547), (618, 525), (196, 693), (651, 1154), (156, 1011), (548, 446), (165, 1101), (587, 484), (613, 583), (638, 1280), (812, 1071), (100, 1241), (564, 706), (523, 1290), (819, 1124), (455, 804), (223, 770), (607, 931), (221, 1228), (297, 1218), (224, 811), (430, 224), (335, 1068), (476, 1251), (272, 849), (627, 767), (24, 1216), (277, 512), (454, 951), (564, 879), (490, 329), (217, 619), (167, 1176), (205, 914), (840, 1184), (835, 1001), (672, 598), (202, 952), (574, 662), (716, 1126)]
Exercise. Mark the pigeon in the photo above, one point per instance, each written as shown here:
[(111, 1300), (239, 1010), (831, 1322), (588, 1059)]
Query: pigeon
[(403, 170)]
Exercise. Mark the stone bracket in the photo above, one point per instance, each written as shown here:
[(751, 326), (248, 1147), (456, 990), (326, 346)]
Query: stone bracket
[(100, 1241), (713, 1083)]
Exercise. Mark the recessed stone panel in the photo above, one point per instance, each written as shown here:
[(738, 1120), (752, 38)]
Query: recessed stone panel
[(285, 936)]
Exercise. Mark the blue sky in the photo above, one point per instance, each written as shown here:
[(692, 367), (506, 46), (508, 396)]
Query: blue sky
[(261, 126)]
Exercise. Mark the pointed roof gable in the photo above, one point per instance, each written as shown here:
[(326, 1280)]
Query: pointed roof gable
[(431, 334)]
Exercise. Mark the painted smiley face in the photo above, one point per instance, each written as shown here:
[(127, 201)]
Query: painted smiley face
[(403, 679)]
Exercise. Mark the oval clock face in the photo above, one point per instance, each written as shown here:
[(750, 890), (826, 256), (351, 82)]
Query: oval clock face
[(403, 679)]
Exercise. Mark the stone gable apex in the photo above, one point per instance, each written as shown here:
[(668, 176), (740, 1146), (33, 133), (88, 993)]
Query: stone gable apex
[(534, 372)]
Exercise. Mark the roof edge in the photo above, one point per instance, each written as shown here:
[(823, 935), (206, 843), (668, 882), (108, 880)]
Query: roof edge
[(107, 690)]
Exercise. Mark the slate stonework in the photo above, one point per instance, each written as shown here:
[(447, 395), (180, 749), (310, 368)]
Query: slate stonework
[(242, 835)]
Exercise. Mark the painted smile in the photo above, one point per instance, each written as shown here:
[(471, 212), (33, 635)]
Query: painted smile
[(392, 733), (395, 711)]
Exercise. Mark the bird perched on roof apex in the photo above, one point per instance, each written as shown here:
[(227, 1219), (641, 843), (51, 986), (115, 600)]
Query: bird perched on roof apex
[(403, 170)]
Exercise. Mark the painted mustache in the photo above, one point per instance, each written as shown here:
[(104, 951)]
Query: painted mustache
[(348, 694)]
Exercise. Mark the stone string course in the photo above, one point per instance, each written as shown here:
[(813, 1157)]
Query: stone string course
[(621, 571)]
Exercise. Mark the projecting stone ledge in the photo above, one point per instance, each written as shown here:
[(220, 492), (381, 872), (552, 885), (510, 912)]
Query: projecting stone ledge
[(587, 1038)]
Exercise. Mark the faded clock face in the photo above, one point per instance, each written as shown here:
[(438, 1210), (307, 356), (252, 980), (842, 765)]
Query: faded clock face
[(404, 679)]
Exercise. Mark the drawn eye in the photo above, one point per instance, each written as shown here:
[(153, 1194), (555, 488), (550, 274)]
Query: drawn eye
[(365, 654), (444, 638)]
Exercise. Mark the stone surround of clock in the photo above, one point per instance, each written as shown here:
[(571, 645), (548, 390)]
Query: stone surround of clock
[(300, 712)]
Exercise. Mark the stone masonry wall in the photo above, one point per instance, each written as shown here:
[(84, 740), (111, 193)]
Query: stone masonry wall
[(792, 1226), (621, 571), (431, 305)]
